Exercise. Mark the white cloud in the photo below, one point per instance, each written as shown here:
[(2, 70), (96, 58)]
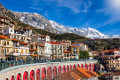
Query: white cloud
[(74, 5), (35, 8)]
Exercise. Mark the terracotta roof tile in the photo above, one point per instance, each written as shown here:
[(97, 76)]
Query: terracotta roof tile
[(21, 42), (55, 43), (74, 46), (76, 74), (14, 39), (4, 37)]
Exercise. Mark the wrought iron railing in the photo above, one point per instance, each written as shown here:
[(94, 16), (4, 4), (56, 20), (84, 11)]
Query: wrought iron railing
[(8, 64)]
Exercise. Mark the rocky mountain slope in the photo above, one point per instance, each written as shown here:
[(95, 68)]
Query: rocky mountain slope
[(38, 21)]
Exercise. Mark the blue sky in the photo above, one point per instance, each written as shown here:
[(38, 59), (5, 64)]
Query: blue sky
[(103, 15)]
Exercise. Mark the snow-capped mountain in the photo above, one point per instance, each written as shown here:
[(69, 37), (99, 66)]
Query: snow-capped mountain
[(86, 32), (38, 21)]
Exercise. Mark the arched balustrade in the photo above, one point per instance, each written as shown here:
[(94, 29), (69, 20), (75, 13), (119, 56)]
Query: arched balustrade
[(49, 73), (54, 71), (64, 68), (93, 67), (7, 79), (70, 67), (25, 75), (67, 67), (78, 65), (12, 78), (18, 76), (59, 70), (32, 75), (38, 74), (86, 67), (43, 73), (90, 67), (81, 65), (74, 66)]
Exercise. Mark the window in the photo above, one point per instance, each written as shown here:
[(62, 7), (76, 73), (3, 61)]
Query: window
[(7, 43), (26, 51), (116, 77), (4, 30), (11, 30), (21, 51), (7, 50)]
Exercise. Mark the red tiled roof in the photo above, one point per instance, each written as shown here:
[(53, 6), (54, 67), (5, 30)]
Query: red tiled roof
[(14, 39), (55, 43), (74, 46), (95, 52), (111, 50), (23, 42), (43, 35), (4, 37), (76, 74), (38, 44), (65, 42)]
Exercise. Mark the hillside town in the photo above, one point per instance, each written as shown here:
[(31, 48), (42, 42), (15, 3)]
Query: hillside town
[(22, 44)]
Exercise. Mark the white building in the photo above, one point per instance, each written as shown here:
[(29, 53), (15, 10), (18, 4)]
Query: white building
[(20, 49), (48, 51), (38, 38)]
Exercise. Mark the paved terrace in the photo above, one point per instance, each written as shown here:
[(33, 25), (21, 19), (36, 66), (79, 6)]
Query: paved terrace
[(41, 71)]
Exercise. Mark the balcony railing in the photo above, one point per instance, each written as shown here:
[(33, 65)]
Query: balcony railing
[(8, 64)]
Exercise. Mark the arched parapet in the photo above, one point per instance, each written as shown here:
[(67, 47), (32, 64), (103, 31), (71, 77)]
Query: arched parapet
[(38, 74), (43, 73), (59, 70), (25, 75), (74, 66), (90, 66), (70, 67), (54, 71), (13, 71), (86, 66), (19, 77), (67, 68), (49, 73)]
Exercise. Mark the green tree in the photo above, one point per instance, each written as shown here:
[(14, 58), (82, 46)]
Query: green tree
[(83, 54)]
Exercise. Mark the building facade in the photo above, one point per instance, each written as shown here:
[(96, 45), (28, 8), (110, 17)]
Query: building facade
[(57, 50)]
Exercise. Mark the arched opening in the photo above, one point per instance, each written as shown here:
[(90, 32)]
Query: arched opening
[(93, 67), (81, 65), (25, 75), (74, 66), (49, 73), (18, 76), (7, 79), (12, 78), (54, 71), (67, 68), (38, 74), (59, 70), (63, 68), (86, 67), (43, 73), (70, 67), (90, 67), (78, 65), (32, 75)]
